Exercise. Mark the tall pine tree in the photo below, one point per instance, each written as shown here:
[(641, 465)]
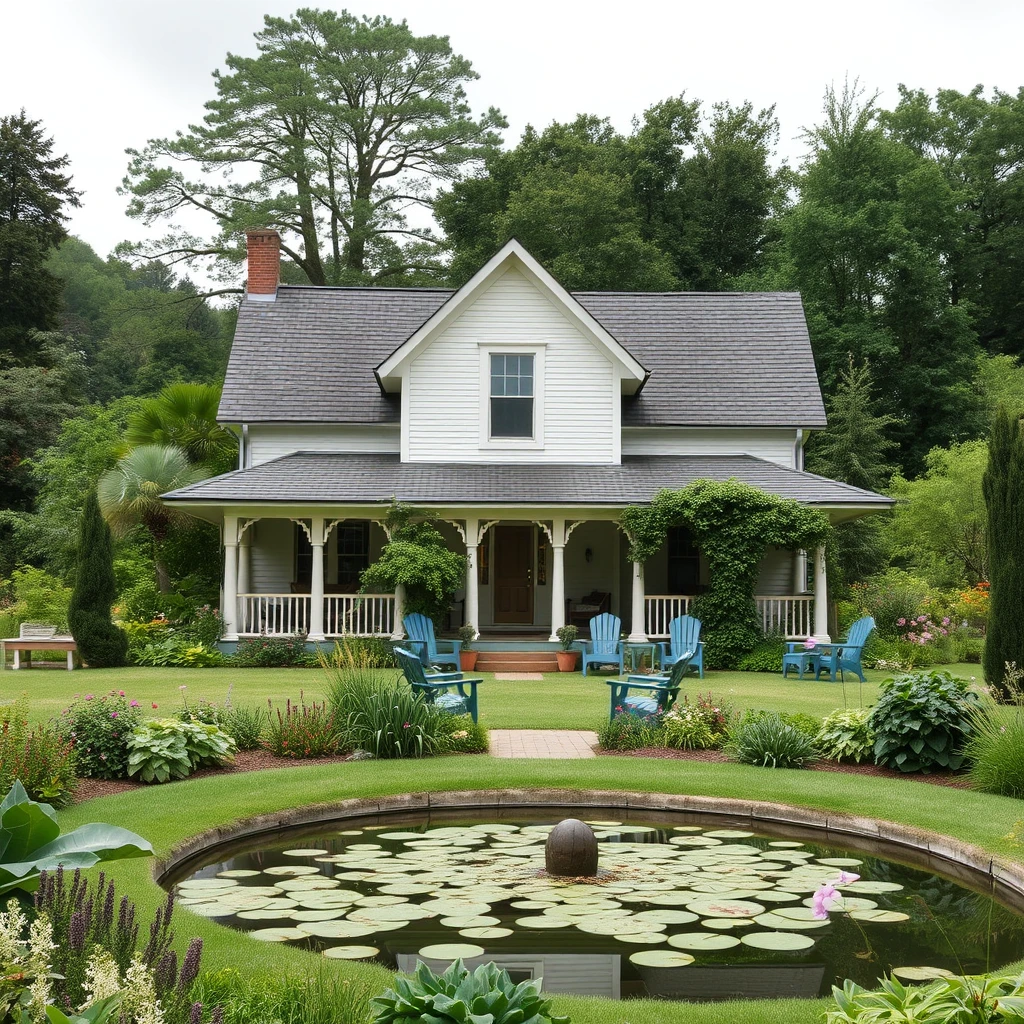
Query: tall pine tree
[(100, 643), (1003, 487)]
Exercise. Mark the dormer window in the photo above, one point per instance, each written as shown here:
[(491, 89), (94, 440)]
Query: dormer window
[(512, 395)]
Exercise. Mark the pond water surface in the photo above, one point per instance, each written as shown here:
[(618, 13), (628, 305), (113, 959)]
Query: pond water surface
[(683, 908)]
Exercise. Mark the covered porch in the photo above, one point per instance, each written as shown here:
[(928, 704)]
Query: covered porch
[(526, 577)]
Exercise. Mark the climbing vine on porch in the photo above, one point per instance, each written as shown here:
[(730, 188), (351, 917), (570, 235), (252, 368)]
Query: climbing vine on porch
[(417, 557), (733, 525)]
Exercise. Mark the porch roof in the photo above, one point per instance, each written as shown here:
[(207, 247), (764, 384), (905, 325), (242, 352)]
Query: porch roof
[(360, 478)]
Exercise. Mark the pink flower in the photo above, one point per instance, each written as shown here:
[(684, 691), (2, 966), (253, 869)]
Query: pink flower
[(845, 878), (810, 643), (825, 894), (156, 705), (88, 696), (922, 618), (133, 704), (113, 714), (406, 726), (120, 693), (901, 622), (945, 621)]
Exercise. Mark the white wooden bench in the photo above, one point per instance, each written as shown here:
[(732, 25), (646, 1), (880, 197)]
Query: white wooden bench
[(35, 636)]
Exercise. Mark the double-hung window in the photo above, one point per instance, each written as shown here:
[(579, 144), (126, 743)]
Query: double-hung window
[(512, 395)]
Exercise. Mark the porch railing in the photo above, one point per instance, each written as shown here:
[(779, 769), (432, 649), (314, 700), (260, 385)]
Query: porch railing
[(288, 614), (792, 615)]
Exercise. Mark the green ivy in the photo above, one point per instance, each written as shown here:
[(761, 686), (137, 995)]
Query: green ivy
[(416, 557), (733, 525)]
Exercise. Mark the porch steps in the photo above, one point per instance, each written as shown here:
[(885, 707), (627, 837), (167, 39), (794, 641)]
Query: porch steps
[(516, 661)]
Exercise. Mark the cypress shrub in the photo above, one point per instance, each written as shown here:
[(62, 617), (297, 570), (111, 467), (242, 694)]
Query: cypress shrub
[(100, 643), (1003, 487)]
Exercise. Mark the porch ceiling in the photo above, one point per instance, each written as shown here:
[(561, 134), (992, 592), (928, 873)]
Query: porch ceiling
[(360, 478)]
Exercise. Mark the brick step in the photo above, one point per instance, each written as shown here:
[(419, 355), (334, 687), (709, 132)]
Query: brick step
[(516, 661)]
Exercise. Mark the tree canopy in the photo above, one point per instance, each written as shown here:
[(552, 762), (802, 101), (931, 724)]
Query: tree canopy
[(333, 134)]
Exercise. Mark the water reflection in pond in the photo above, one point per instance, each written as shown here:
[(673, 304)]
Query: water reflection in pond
[(679, 910)]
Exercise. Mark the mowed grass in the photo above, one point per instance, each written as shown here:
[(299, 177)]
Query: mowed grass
[(558, 701)]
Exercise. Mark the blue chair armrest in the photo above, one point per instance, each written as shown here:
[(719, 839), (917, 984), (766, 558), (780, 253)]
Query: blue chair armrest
[(472, 683), (646, 678), (438, 676), (641, 686)]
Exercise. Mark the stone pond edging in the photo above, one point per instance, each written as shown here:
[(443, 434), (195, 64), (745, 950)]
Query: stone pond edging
[(1006, 877)]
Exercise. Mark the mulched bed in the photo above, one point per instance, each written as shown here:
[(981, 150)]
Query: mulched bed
[(950, 779), (245, 761)]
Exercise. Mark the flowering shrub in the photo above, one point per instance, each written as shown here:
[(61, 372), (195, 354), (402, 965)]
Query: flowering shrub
[(465, 735), (632, 732), (99, 727), (303, 730), (270, 652), (702, 725), (39, 757)]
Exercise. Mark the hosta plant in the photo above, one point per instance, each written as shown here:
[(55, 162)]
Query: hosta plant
[(487, 996), (846, 735), (165, 748), (922, 721), (30, 842)]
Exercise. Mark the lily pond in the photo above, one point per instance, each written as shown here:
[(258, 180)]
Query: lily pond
[(682, 908)]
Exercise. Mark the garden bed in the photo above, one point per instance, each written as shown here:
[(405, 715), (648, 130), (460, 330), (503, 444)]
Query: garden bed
[(953, 779)]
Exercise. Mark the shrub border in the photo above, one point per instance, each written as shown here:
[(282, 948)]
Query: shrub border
[(1005, 877)]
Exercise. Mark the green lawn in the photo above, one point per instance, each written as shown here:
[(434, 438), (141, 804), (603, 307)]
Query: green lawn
[(560, 701)]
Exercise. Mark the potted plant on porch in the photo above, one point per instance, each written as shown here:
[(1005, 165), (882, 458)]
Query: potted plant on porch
[(467, 656), (567, 657)]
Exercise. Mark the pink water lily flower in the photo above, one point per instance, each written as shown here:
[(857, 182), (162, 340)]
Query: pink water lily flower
[(845, 878), (822, 898)]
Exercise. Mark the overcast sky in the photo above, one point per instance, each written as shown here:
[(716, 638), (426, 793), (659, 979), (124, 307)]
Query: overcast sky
[(104, 75)]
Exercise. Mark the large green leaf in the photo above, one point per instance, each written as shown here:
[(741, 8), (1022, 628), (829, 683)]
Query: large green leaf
[(25, 826)]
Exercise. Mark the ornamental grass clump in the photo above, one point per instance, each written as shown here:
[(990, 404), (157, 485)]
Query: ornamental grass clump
[(303, 730), (922, 721), (487, 996), (700, 725), (995, 750), (846, 735), (768, 741)]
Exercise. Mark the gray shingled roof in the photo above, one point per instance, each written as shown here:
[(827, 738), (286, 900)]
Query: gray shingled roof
[(716, 358), (368, 478)]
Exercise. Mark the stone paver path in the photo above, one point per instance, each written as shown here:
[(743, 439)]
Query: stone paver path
[(542, 743)]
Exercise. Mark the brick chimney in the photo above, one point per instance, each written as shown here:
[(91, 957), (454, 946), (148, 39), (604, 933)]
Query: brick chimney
[(263, 250)]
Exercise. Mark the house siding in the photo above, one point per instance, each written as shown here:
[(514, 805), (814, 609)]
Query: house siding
[(773, 445), (442, 399), (271, 441)]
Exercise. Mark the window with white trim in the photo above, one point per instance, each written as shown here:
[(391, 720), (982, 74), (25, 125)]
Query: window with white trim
[(512, 394)]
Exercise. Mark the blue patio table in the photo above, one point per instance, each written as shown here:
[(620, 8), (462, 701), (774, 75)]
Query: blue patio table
[(635, 653), (801, 658)]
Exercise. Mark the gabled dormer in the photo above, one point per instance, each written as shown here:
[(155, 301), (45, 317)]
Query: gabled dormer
[(511, 368)]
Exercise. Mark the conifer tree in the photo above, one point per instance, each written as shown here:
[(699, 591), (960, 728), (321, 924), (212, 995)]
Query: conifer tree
[(100, 643), (1003, 487)]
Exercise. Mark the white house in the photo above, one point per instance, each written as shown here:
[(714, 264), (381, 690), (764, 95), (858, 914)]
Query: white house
[(528, 418)]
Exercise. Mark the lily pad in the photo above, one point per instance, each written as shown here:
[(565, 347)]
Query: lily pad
[(922, 973), (727, 924), (238, 873), (666, 916), (864, 885), (789, 924), (702, 941), (660, 958), (781, 941), (336, 929), (470, 922), (303, 853), (264, 915), (543, 921), (729, 833), (350, 952), (725, 908), (879, 916), (485, 933), (642, 938), (277, 934), (451, 951)]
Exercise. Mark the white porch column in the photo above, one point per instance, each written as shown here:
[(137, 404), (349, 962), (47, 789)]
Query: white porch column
[(557, 577), (316, 583), (638, 634), (397, 629), (799, 572), (820, 597), (244, 561), (230, 610), (471, 612)]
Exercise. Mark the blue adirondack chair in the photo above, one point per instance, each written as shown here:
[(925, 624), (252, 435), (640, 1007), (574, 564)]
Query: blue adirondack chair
[(435, 687), (846, 654), (420, 638), (658, 694), (604, 646), (684, 631)]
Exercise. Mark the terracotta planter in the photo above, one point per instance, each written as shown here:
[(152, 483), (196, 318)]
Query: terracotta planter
[(567, 660), (467, 660)]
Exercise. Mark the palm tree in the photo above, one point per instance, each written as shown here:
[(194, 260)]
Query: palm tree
[(185, 415), (129, 495)]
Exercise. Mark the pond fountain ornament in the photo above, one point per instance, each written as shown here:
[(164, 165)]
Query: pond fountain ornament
[(571, 850)]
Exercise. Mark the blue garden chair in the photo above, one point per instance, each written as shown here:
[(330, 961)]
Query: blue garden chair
[(604, 646), (659, 692), (435, 687), (846, 654), (684, 633), (420, 637)]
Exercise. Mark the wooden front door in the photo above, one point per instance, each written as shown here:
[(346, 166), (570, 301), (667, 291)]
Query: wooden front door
[(513, 575)]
